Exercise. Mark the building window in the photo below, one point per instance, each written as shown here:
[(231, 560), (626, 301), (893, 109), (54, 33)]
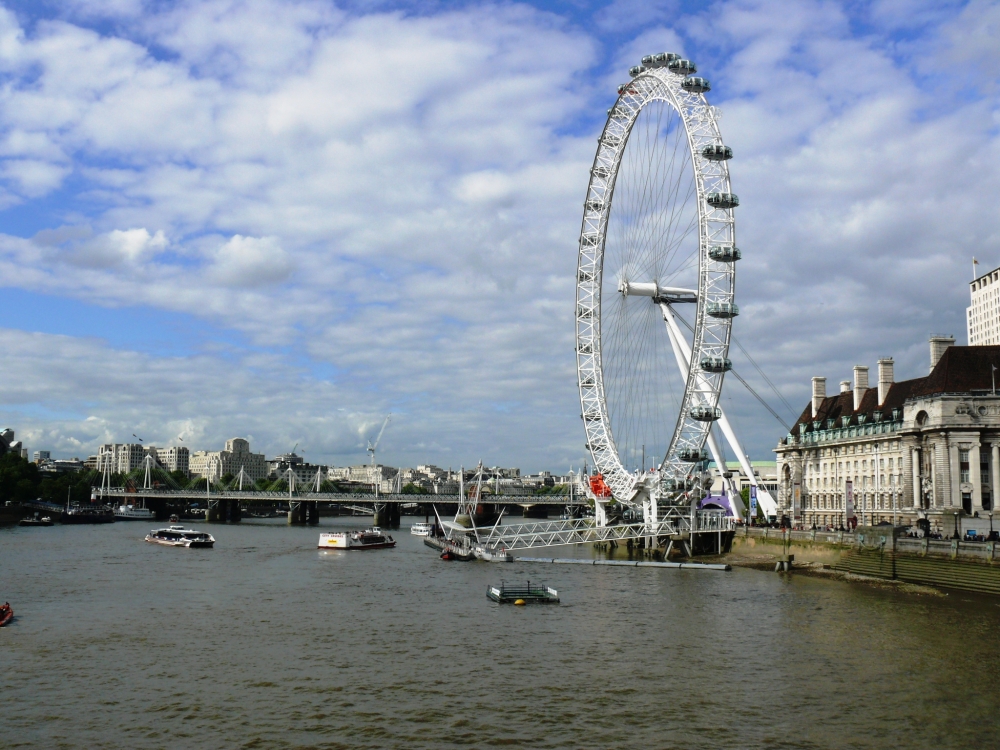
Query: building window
[(967, 502), (984, 467), (963, 466)]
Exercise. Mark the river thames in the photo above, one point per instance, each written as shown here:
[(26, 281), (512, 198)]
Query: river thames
[(266, 642)]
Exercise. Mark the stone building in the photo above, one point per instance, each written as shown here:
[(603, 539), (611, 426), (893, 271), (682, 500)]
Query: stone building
[(120, 458), (173, 459), (927, 448), (236, 456), (305, 473)]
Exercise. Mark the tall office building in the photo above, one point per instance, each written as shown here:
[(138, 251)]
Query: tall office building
[(983, 315)]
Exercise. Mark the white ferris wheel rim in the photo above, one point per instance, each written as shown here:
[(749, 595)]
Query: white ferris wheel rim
[(716, 284)]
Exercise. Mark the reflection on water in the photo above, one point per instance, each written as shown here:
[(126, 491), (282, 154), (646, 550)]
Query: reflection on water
[(265, 641)]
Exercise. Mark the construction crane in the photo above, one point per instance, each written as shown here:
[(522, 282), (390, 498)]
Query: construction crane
[(371, 449)]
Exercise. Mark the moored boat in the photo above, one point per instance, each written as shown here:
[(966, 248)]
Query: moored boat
[(527, 594), (422, 529), (37, 520), (178, 536), (133, 513), (372, 538), (6, 614)]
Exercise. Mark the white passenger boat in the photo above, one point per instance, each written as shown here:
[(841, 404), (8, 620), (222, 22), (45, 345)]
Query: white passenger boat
[(421, 529), (178, 536), (372, 538), (133, 513)]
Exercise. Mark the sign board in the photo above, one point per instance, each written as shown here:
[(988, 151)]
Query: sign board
[(849, 499), (797, 501), (753, 501)]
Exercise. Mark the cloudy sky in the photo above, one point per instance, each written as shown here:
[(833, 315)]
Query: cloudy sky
[(283, 219)]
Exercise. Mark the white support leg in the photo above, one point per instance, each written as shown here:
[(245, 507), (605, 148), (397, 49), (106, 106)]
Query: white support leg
[(682, 353)]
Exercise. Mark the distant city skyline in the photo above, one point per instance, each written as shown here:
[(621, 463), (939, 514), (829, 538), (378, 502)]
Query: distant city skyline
[(285, 219)]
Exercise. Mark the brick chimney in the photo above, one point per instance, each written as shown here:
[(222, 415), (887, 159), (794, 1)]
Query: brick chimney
[(885, 378), (845, 386), (860, 384), (819, 393), (938, 345)]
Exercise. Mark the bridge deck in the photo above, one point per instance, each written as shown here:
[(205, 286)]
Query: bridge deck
[(118, 495)]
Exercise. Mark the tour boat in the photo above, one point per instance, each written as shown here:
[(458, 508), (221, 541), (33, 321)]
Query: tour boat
[(178, 536), (422, 529), (372, 538), (6, 614), (134, 513)]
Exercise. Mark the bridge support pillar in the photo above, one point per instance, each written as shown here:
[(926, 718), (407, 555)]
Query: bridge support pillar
[(296, 512), (311, 513), (387, 515), (235, 512), (214, 512)]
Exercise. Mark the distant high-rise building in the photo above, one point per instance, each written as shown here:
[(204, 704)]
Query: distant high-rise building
[(8, 443), (42, 456), (983, 315)]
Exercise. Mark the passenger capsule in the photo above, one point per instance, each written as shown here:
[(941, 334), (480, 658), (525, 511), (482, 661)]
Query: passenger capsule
[(590, 240), (724, 253), (587, 382), (585, 275), (594, 205), (636, 70), (623, 88), (705, 413), (584, 312), (585, 349), (722, 309), (696, 85), (692, 455), (682, 67), (601, 173), (715, 364), (717, 152), (611, 141), (722, 200)]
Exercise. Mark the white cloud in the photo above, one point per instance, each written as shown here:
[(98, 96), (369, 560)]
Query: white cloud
[(251, 262)]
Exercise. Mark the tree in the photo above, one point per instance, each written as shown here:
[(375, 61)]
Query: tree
[(414, 489)]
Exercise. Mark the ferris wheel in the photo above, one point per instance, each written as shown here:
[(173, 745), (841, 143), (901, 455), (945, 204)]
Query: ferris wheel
[(657, 250)]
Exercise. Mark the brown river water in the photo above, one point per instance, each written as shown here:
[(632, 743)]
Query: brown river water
[(266, 642)]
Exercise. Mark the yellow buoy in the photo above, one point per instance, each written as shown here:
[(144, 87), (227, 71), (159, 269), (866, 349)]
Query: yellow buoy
[(519, 601)]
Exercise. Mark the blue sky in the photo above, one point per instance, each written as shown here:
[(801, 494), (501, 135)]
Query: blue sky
[(283, 219)]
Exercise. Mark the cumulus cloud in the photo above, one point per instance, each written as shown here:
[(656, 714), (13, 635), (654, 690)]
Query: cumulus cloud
[(251, 262)]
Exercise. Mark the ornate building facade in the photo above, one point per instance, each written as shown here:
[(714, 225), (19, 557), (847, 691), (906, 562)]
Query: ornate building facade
[(927, 448)]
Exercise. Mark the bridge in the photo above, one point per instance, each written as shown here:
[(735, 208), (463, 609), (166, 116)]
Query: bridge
[(226, 504)]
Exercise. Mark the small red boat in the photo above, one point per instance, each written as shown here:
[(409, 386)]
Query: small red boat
[(6, 614)]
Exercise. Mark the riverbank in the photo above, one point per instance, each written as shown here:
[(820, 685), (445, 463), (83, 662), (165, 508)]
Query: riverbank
[(875, 555)]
